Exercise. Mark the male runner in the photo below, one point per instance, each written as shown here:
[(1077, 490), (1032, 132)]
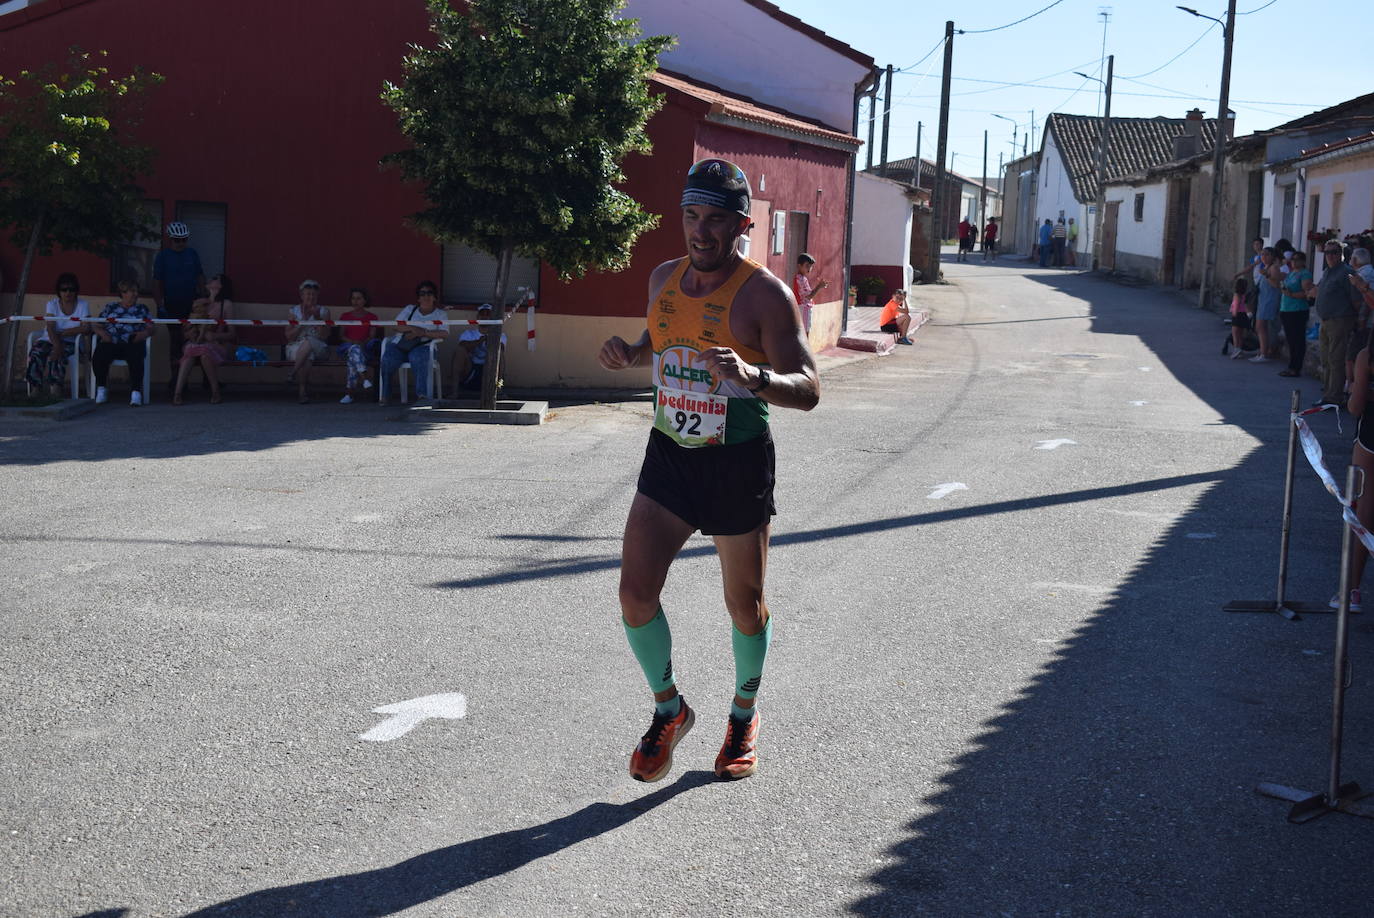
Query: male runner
[(725, 342)]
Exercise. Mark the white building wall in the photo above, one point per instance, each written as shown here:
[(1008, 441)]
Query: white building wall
[(882, 223), (1353, 179), (1055, 198), (751, 53), (1145, 238)]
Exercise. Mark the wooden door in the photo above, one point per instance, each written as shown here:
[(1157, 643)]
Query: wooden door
[(1109, 218)]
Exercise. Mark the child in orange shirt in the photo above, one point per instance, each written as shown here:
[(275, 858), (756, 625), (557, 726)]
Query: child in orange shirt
[(896, 317)]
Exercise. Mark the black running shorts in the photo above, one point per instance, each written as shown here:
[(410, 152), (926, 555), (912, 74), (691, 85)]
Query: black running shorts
[(721, 490)]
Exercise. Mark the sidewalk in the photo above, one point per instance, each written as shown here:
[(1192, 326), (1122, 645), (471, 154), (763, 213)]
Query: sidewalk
[(863, 333)]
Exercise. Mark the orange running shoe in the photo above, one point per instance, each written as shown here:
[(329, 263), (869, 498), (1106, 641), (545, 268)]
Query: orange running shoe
[(738, 758), (654, 755)]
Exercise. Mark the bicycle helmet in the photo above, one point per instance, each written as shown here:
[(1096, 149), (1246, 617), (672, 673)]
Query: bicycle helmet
[(178, 230)]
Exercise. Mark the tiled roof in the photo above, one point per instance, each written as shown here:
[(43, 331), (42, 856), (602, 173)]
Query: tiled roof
[(1337, 145), (1360, 105), (901, 170), (746, 109), (1137, 144)]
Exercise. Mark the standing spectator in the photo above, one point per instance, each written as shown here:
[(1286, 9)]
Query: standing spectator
[(1363, 457), (1240, 319), (1267, 310), (306, 343), (410, 341), (121, 340), (65, 322), (471, 359), (1338, 305), (990, 239), (208, 345), (177, 280), (1360, 270), (965, 239), (1294, 310), (1071, 249), (802, 288), (361, 344), (1253, 268), (895, 318), (1058, 234), (1046, 234)]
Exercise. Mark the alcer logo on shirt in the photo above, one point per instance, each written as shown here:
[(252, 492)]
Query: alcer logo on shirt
[(679, 367)]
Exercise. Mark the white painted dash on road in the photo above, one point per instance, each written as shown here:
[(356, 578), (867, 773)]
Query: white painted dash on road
[(1140, 404), (945, 489), (407, 715), (1055, 444)]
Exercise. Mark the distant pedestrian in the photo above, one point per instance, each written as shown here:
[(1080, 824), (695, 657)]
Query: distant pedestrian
[(178, 279), (1046, 234), (804, 290), (1267, 308), (990, 239), (965, 239), (1338, 307), (1294, 312), (1059, 234)]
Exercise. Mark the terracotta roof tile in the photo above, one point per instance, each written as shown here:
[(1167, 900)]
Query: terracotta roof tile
[(1137, 144), (746, 109)]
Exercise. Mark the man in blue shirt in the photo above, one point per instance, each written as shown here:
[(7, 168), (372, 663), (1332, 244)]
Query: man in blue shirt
[(177, 279), (1046, 232)]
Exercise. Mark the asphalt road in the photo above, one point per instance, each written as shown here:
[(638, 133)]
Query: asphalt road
[(1001, 683)]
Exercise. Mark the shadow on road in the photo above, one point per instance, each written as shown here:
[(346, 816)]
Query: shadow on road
[(1120, 780), (393, 889)]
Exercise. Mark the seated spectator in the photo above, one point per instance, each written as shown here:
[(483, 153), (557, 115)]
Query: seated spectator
[(361, 346), (65, 322), (470, 362), (895, 318), (409, 342), (306, 343), (208, 345), (121, 340)]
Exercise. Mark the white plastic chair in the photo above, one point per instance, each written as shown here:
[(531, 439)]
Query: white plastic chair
[(436, 386), (147, 369), (73, 372)]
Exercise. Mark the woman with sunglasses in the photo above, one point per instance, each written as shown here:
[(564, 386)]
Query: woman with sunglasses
[(410, 344), (65, 319)]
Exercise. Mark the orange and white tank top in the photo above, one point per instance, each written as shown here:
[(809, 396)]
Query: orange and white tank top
[(691, 407)]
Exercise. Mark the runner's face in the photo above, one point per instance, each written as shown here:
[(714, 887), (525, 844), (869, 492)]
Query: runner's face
[(711, 234)]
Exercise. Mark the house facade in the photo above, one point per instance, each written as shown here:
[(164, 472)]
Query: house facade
[(271, 155), (887, 231), (1339, 186)]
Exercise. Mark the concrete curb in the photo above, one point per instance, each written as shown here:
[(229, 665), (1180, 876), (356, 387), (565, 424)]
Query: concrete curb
[(469, 412), (59, 411)]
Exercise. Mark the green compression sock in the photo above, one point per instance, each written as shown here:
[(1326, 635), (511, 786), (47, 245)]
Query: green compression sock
[(652, 643), (750, 652)]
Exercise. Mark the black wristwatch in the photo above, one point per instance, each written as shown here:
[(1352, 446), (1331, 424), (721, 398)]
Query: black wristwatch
[(764, 379)]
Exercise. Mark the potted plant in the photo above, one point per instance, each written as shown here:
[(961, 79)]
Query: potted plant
[(870, 288)]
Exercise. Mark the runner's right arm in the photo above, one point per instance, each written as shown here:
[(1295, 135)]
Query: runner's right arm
[(617, 353)]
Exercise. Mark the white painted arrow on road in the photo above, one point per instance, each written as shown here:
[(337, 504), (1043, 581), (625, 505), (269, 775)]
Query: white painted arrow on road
[(1055, 444), (946, 488), (407, 715)]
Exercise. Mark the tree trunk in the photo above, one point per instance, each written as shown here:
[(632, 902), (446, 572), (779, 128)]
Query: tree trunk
[(19, 294), (491, 373)]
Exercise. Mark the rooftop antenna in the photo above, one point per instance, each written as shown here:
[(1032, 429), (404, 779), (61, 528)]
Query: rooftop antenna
[(1105, 12)]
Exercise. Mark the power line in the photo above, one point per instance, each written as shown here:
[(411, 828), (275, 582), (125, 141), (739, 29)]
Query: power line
[(1176, 56), (1002, 84), (1010, 24), (923, 57), (1258, 8)]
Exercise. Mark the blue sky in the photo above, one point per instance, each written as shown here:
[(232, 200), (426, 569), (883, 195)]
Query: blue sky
[(1291, 57)]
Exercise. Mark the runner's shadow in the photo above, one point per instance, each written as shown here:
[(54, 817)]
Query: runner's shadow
[(388, 890)]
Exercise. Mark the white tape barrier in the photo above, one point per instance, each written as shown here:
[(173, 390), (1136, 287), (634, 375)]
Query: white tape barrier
[(418, 323), (1313, 450)]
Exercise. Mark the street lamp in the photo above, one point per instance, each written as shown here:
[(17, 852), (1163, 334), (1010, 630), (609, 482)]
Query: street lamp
[(1102, 160), (1228, 29), (1014, 126)]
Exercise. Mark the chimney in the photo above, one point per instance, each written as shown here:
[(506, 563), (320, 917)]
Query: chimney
[(1189, 143)]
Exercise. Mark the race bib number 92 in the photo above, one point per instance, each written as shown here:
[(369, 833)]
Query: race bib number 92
[(691, 418)]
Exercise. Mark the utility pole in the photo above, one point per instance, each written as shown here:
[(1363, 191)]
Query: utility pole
[(983, 186), (887, 115), (872, 115), (938, 191), (1218, 156), (916, 173), (1102, 168)]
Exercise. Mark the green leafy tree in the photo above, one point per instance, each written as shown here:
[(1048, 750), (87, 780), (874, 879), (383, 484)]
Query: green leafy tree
[(69, 162), (519, 116)]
